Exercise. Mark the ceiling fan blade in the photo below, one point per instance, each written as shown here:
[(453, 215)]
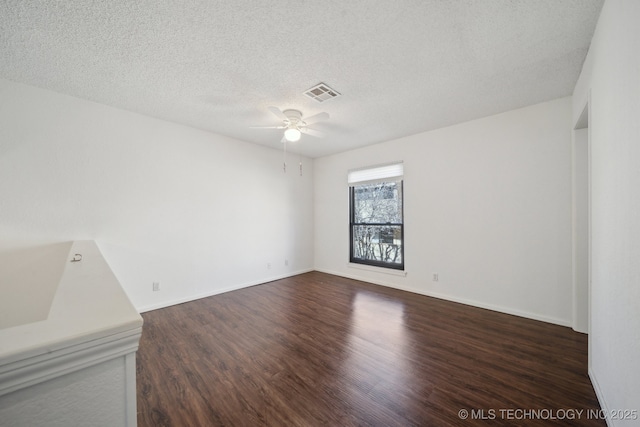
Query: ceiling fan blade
[(266, 127), (312, 132), (320, 117), (277, 112)]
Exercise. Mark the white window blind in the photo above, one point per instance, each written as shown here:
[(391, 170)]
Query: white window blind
[(392, 172)]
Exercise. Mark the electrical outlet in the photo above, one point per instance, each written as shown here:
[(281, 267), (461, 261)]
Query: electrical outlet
[(268, 266), (286, 262), (435, 277), (156, 286)]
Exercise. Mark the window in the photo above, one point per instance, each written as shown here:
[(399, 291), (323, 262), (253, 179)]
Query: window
[(376, 216)]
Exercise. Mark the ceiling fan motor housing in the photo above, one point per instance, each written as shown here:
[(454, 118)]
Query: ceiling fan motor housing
[(294, 116)]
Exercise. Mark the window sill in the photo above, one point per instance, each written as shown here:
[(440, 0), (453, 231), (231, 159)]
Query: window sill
[(401, 273)]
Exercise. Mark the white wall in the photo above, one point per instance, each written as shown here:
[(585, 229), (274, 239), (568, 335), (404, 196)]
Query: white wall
[(580, 177), (199, 213), (487, 207), (611, 80)]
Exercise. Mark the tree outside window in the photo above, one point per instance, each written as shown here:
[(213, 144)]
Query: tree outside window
[(376, 223)]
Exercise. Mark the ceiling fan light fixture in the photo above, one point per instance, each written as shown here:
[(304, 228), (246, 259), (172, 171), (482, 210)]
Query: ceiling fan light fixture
[(292, 134)]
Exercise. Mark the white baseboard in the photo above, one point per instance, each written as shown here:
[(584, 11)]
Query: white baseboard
[(473, 303), (169, 303), (600, 395)]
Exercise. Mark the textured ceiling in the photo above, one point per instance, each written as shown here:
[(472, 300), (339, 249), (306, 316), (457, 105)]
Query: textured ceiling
[(402, 66)]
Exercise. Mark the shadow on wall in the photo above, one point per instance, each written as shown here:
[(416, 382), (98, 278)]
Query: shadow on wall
[(29, 279)]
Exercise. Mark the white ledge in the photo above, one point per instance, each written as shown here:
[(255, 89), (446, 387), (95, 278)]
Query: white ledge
[(391, 271), (90, 320)]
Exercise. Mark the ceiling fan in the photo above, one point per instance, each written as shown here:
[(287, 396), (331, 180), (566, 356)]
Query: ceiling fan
[(294, 124)]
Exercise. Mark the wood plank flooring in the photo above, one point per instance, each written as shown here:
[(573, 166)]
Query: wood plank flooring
[(321, 350)]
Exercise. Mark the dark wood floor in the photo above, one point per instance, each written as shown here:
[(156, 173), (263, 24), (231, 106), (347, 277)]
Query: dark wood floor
[(320, 350)]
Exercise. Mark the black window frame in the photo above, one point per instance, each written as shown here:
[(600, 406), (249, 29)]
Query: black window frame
[(352, 224)]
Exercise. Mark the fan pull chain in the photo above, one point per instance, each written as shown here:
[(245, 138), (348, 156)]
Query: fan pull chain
[(284, 156), (300, 163)]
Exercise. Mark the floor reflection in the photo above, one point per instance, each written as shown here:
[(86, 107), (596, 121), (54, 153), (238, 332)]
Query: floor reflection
[(378, 320), (378, 338)]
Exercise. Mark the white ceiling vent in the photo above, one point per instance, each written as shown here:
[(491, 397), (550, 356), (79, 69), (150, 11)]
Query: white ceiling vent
[(321, 92)]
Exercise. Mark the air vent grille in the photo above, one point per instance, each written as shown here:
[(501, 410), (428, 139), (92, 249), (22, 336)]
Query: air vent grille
[(321, 92)]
